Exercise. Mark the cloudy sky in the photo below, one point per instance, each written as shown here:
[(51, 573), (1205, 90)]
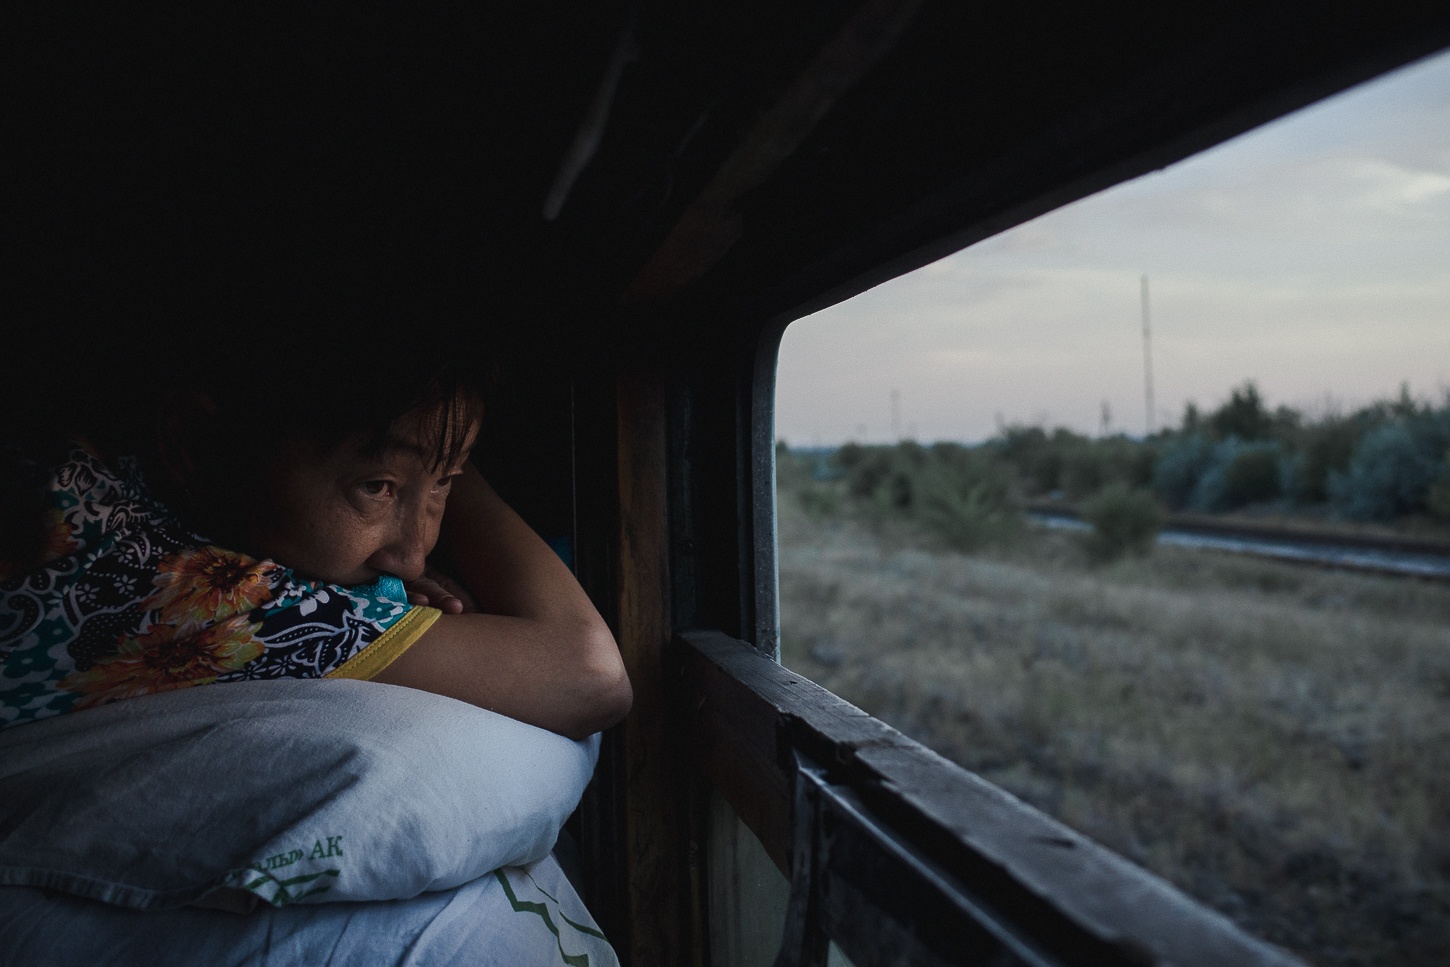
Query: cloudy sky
[(1311, 255)]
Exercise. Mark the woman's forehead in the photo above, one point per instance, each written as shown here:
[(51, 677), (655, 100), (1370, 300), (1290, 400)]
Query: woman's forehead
[(432, 434)]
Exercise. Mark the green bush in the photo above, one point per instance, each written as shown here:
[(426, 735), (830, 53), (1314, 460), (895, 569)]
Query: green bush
[(965, 497), (1085, 470), (819, 501), (1237, 473), (884, 476), (1090, 465), (1253, 476), (808, 477), (1243, 415), (1394, 468), (1381, 461), (1125, 520), (1037, 456), (1322, 448), (1182, 462), (1437, 501)]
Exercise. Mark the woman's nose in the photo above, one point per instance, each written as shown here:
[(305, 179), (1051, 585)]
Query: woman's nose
[(404, 554)]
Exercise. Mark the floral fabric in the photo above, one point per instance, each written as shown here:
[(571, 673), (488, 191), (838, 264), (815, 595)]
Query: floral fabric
[(125, 601)]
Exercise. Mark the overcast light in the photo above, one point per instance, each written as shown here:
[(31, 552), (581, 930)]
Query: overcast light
[(1311, 255)]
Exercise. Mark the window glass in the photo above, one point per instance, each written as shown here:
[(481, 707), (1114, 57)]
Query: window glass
[(1141, 510), (748, 896)]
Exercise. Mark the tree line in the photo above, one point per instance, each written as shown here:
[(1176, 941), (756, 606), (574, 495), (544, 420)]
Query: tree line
[(1387, 461)]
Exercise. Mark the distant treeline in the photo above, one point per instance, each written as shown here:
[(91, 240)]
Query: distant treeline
[(1383, 462)]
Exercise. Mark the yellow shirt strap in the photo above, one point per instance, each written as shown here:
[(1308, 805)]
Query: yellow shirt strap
[(392, 643)]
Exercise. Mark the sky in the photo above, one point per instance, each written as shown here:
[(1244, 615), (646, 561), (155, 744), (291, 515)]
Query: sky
[(1311, 255)]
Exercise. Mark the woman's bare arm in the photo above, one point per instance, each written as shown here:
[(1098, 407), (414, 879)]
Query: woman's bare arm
[(537, 650)]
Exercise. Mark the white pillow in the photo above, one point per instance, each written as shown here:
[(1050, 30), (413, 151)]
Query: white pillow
[(284, 791)]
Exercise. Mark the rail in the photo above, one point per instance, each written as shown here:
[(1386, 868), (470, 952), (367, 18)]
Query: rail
[(1398, 556)]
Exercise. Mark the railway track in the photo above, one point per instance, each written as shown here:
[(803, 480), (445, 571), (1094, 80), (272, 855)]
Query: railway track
[(1404, 557)]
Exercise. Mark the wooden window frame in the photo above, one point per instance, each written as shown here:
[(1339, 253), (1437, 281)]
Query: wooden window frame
[(900, 856), (894, 853), (676, 492)]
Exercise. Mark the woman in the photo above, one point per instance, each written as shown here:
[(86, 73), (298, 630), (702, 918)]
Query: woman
[(320, 520)]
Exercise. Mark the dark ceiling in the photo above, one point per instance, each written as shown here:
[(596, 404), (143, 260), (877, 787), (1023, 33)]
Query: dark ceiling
[(558, 175)]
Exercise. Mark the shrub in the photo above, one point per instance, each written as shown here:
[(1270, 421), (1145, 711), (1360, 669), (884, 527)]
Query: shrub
[(1090, 465), (1124, 520), (849, 454), (1252, 475), (1019, 445), (1321, 448), (885, 477), (1084, 470), (1133, 462), (818, 501), (866, 468), (971, 520), (1237, 473), (1393, 468), (1437, 501), (1037, 457), (1043, 475), (803, 474), (1192, 419), (963, 494), (1242, 416), (1182, 461)]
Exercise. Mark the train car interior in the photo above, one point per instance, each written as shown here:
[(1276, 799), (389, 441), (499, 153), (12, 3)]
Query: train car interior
[(629, 202)]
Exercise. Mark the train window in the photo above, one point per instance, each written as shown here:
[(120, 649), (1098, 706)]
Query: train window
[(1141, 511)]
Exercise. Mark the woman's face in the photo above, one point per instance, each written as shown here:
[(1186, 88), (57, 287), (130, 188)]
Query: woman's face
[(347, 516)]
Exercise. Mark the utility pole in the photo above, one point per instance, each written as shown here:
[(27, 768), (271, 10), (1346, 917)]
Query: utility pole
[(896, 416), (1147, 362)]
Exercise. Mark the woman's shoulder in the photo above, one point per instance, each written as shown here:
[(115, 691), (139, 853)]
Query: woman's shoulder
[(68, 498)]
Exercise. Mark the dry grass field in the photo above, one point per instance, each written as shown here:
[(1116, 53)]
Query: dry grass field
[(1273, 739)]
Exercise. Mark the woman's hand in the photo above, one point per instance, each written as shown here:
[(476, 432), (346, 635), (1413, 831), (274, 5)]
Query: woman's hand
[(437, 590), (528, 642)]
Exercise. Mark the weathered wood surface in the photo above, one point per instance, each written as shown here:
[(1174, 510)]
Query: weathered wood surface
[(726, 164), (880, 900), (1074, 899), (713, 223), (663, 891)]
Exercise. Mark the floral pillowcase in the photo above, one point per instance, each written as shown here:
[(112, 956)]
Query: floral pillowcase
[(127, 602)]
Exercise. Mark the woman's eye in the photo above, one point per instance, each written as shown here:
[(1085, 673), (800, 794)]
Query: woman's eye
[(445, 482), (377, 488)]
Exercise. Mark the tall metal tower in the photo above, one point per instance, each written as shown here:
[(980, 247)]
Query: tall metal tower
[(1147, 362)]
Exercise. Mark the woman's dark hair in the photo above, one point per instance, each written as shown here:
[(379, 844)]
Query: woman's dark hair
[(321, 305), (351, 393), (229, 387), (224, 426), (356, 395), (451, 400)]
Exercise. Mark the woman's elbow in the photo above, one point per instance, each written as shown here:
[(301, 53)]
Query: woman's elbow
[(615, 698), (608, 693)]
